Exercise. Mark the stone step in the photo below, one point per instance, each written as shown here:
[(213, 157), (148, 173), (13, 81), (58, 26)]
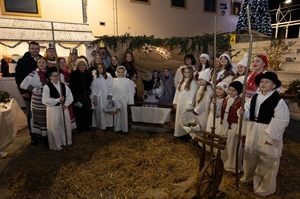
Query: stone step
[(287, 76), (293, 66)]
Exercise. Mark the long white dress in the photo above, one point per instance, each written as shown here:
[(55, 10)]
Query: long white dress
[(101, 88), (202, 108), (218, 126), (124, 90), (229, 153), (184, 100), (55, 121), (261, 161)]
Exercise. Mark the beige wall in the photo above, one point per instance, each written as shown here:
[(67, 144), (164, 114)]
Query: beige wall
[(123, 16), (157, 19)]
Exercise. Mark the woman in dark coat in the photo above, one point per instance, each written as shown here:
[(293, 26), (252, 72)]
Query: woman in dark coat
[(80, 82)]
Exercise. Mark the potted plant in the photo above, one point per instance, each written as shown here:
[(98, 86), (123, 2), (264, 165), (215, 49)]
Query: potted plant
[(293, 92)]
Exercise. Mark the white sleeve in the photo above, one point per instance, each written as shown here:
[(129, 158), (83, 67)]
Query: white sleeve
[(278, 123), (69, 96), (191, 96), (46, 99)]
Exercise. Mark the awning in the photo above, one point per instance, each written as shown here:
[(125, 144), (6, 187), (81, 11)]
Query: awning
[(36, 30)]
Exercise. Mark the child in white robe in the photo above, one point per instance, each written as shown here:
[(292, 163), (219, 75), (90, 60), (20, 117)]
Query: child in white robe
[(268, 117), (203, 99), (230, 127), (57, 97), (124, 90), (102, 93), (221, 93), (184, 99)]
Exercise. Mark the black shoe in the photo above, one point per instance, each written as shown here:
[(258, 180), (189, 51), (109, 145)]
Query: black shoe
[(33, 142)]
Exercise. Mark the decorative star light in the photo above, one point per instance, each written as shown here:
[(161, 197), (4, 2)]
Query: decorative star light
[(161, 51)]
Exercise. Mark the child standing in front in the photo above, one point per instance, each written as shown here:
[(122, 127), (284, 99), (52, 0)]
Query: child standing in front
[(57, 97), (230, 126), (203, 99), (124, 90), (184, 99), (268, 117), (221, 93)]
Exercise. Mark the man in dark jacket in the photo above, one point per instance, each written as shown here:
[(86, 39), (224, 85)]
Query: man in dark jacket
[(26, 65)]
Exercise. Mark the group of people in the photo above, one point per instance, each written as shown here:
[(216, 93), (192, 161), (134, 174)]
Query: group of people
[(265, 114), (62, 95), (65, 94)]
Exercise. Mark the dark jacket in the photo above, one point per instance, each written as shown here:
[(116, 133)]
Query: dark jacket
[(25, 65), (80, 92)]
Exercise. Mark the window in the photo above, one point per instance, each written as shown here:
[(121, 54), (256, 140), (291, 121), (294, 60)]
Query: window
[(236, 7), (28, 8), (141, 1), (179, 3), (210, 5)]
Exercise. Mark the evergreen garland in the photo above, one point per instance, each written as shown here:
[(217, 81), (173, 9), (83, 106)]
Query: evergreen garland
[(185, 44), (4, 97)]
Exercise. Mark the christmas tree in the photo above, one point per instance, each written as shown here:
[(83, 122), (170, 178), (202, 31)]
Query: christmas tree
[(259, 17)]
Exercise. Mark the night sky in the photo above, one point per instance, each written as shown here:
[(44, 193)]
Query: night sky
[(293, 31)]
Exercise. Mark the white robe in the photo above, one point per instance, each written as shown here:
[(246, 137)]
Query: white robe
[(156, 94), (124, 90), (183, 100), (55, 123), (261, 161), (202, 108), (229, 153), (101, 88), (218, 126)]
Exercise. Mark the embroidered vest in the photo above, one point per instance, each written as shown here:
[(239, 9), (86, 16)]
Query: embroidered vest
[(54, 92), (232, 115), (266, 110)]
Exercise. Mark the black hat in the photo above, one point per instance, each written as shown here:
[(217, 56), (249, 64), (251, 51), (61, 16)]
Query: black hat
[(237, 85), (268, 75), (51, 70)]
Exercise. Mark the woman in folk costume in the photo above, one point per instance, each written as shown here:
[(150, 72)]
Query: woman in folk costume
[(169, 88), (204, 66), (57, 97), (73, 56), (268, 117), (189, 61), (124, 90), (241, 69), (203, 99), (102, 92), (259, 65), (50, 55), (221, 93), (34, 83), (184, 99), (230, 127), (80, 82), (225, 69), (66, 73), (157, 89)]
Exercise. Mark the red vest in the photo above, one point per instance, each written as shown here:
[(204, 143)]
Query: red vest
[(232, 113)]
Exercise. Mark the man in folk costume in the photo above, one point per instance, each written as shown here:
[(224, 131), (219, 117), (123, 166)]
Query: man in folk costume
[(50, 55), (104, 54), (268, 117), (57, 97)]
